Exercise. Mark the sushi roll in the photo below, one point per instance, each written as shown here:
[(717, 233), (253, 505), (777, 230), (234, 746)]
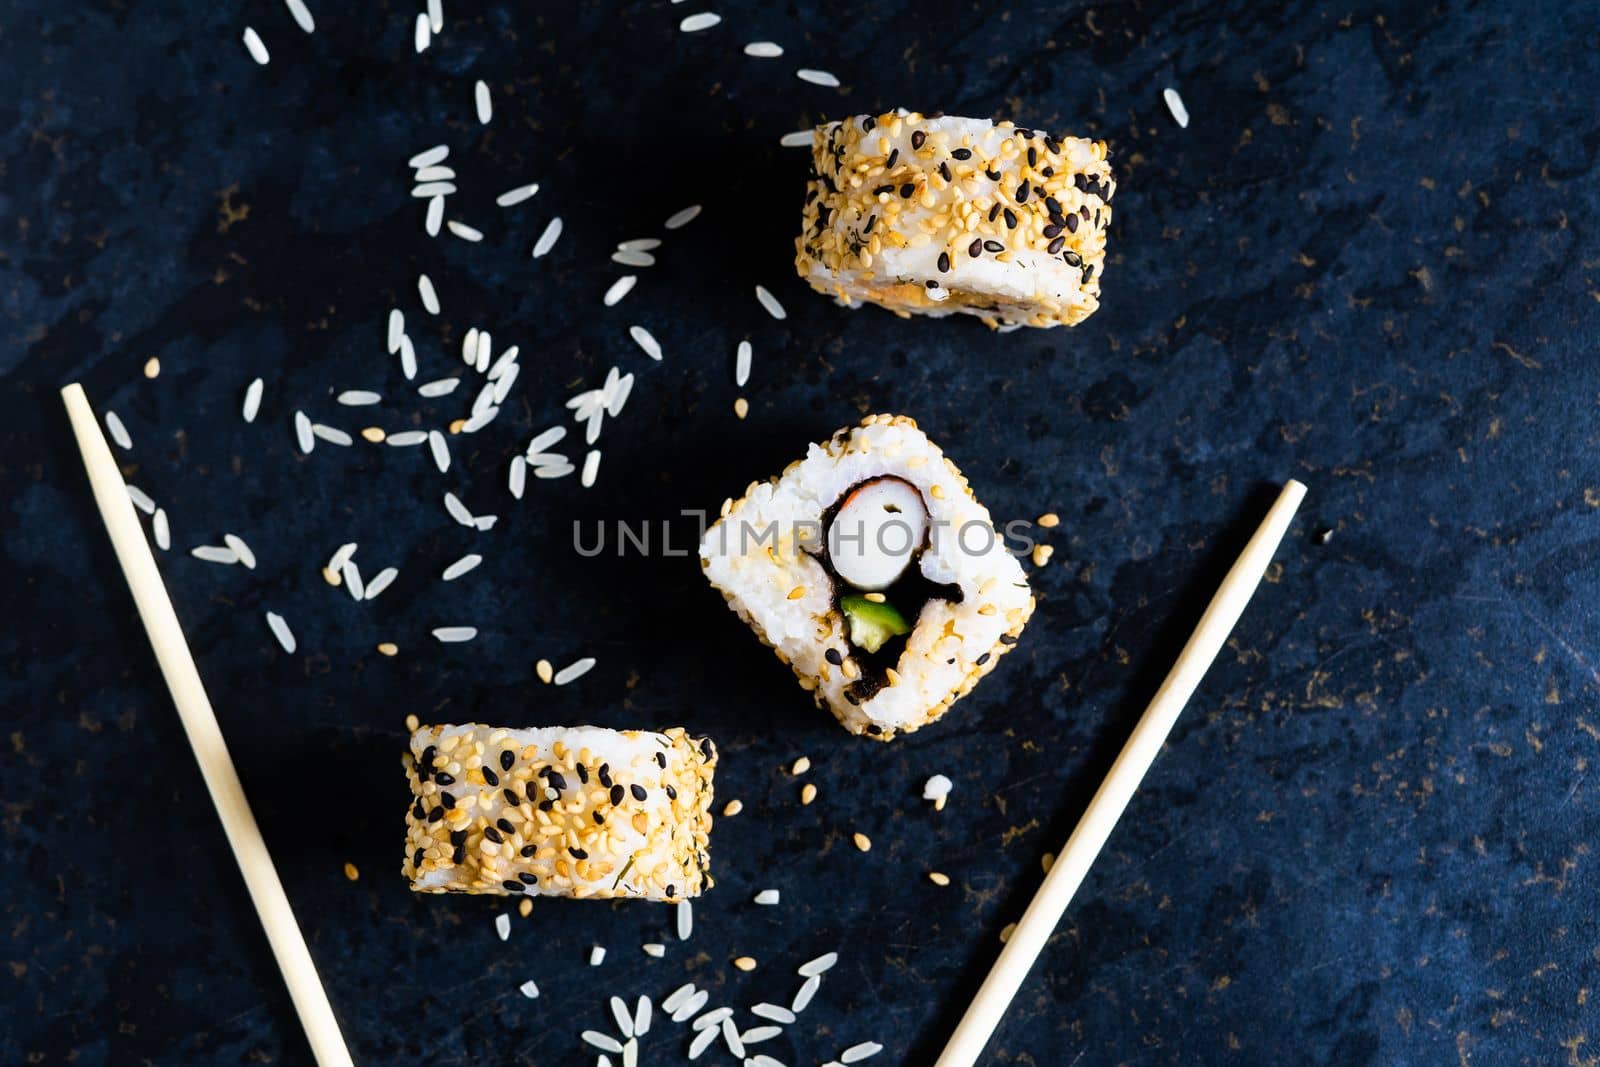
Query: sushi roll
[(559, 811), (933, 216), (871, 569)]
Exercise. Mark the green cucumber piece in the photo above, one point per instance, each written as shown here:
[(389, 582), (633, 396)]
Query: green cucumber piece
[(872, 624)]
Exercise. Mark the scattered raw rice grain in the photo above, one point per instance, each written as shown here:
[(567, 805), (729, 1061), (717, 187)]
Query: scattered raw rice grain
[(461, 566), (591, 467), (430, 190), (1180, 113), (465, 232), (438, 387), (429, 156), (639, 244), (544, 440), (704, 1040), (351, 576), (855, 1053), (458, 511), (502, 926), (741, 408), (817, 77), (380, 581), (435, 217), (406, 438), (434, 174), (1042, 554), (528, 989), (774, 1012), (801, 766), (762, 1061), (757, 1034), (763, 50), (597, 955), (938, 878), (575, 670), (741, 363), (655, 949), (547, 240), (332, 434), (732, 808), (770, 302), (469, 347), (676, 999), (389, 648), (808, 793), (351, 872), (440, 449), (512, 197), (355, 398), (430, 297), (821, 965), (451, 635), (767, 897), (341, 556), (141, 499), (408, 358), (603, 1042), (682, 218), (240, 549), (937, 789), (484, 101), (280, 630), (423, 35), (685, 917), (702, 21), (730, 1034), (1049, 520), (545, 671), (1006, 932), (634, 259), (374, 434), (118, 432), (553, 470), (258, 50), (517, 480), (436, 15), (252, 399), (797, 139), (712, 1020), (802, 999), (642, 1011), (152, 367), (624, 1017), (619, 289), (397, 329), (506, 364), (161, 530), (863, 842)]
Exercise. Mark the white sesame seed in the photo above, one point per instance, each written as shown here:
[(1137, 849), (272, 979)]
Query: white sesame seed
[(302, 432), (818, 966), (465, 232), (741, 363), (258, 50), (450, 635), (280, 630), (160, 530), (301, 15), (252, 399), (332, 434), (1180, 113), (855, 1053), (435, 216), (575, 670), (797, 139), (803, 998), (440, 449), (528, 989), (770, 302), (547, 240), (774, 1012), (645, 340), (240, 549), (380, 581), (603, 1042), (655, 949), (356, 398), (430, 298), (702, 21), (685, 920), (118, 432), (817, 77), (423, 35), (484, 101), (620, 288), (767, 897), (763, 50), (462, 566), (429, 156), (597, 955), (502, 926), (512, 197), (682, 218)]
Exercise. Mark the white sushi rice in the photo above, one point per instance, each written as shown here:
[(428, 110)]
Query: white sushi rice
[(642, 1011), (436, 15), (640, 244), (350, 575), (619, 289), (545, 439), (422, 36), (480, 420), (214, 554), (406, 438), (435, 217), (547, 240), (763, 50), (817, 77), (685, 920), (252, 399), (857, 1053), (691, 1007), (730, 1037), (517, 478), (702, 21), (258, 49), (624, 1017), (645, 340), (280, 630), (757, 1034), (408, 358), (597, 956), (603, 1042), (432, 189), (380, 581), (677, 998), (461, 566), (161, 530), (440, 449), (141, 499), (802, 999), (469, 346), (357, 398), (654, 949), (629, 258), (434, 174), (529, 989), (770, 303), (797, 139), (118, 432), (554, 470), (505, 363), (741, 363), (341, 556), (575, 670), (240, 550), (465, 232), (591, 468), (819, 966), (512, 197), (438, 387), (617, 395), (430, 298), (301, 15), (776, 1013), (484, 102), (450, 635), (429, 156), (397, 329), (332, 434), (767, 897), (682, 218), (1180, 113), (503, 383), (458, 511), (302, 432), (703, 1041)]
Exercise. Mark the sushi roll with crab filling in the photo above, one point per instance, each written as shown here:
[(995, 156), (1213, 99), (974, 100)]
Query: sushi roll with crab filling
[(873, 572), (933, 216), (559, 811)]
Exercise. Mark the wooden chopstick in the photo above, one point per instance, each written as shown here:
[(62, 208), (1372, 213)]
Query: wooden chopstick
[(1111, 799), (205, 737)]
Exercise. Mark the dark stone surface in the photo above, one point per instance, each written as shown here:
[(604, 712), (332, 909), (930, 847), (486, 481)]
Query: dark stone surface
[(1369, 263)]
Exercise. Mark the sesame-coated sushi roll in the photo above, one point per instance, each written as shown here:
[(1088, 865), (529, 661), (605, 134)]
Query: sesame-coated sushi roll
[(931, 216), (559, 811), (871, 569)]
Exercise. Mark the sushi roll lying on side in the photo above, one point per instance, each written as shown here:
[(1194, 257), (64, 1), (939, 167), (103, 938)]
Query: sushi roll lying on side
[(932, 216), (559, 811), (872, 571)]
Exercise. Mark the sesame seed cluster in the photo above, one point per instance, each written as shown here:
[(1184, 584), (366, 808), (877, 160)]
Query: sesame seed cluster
[(934, 216), (573, 812), (788, 599)]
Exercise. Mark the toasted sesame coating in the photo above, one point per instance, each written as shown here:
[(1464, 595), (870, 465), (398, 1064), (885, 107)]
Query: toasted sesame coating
[(574, 812), (933, 216)]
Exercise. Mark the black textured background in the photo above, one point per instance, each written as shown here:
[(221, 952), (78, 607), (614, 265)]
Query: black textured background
[(1369, 263)]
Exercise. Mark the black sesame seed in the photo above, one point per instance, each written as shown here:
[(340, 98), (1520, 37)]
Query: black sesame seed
[(880, 190), (557, 780), (917, 139), (906, 190), (598, 818), (617, 793), (1081, 181), (672, 794), (546, 805), (993, 246), (577, 853), (992, 175), (513, 885), (962, 153), (507, 758), (1007, 639), (1084, 211), (458, 837), (491, 834), (528, 851), (1088, 273), (993, 212), (944, 262), (661, 760), (638, 791), (436, 814), (1052, 205), (458, 855), (425, 764), (871, 222), (983, 659), (707, 749), (1051, 230), (583, 774), (445, 779), (416, 858), (851, 697), (448, 801), (489, 775), (944, 172), (874, 729), (505, 826), (418, 810), (893, 158), (1072, 258), (1072, 223), (1055, 246), (511, 797), (1011, 219), (833, 657), (1048, 172), (1054, 146), (868, 123), (528, 879), (975, 249), (1022, 193), (1033, 156), (672, 891)]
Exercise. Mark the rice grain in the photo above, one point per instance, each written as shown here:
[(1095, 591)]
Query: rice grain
[(796, 139), (435, 217), (438, 387), (302, 432), (280, 630), (573, 671), (512, 197), (802, 999), (161, 530), (301, 15), (517, 479), (332, 434), (407, 438), (763, 50), (118, 432), (817, 77), (440, 449), (461, 566), (484, 102), (741, 363), (252, 399), (450, 635), (380, 581), (645, 340), (547, 240), (358, 398), (620, 288), (702, 21), (214, 554), (423, 35), (682, 218), (141, 499), (770, 302), (1180, 113), (465, 232), (258, 50), (429, 156), (241, 550), (430, 298)]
